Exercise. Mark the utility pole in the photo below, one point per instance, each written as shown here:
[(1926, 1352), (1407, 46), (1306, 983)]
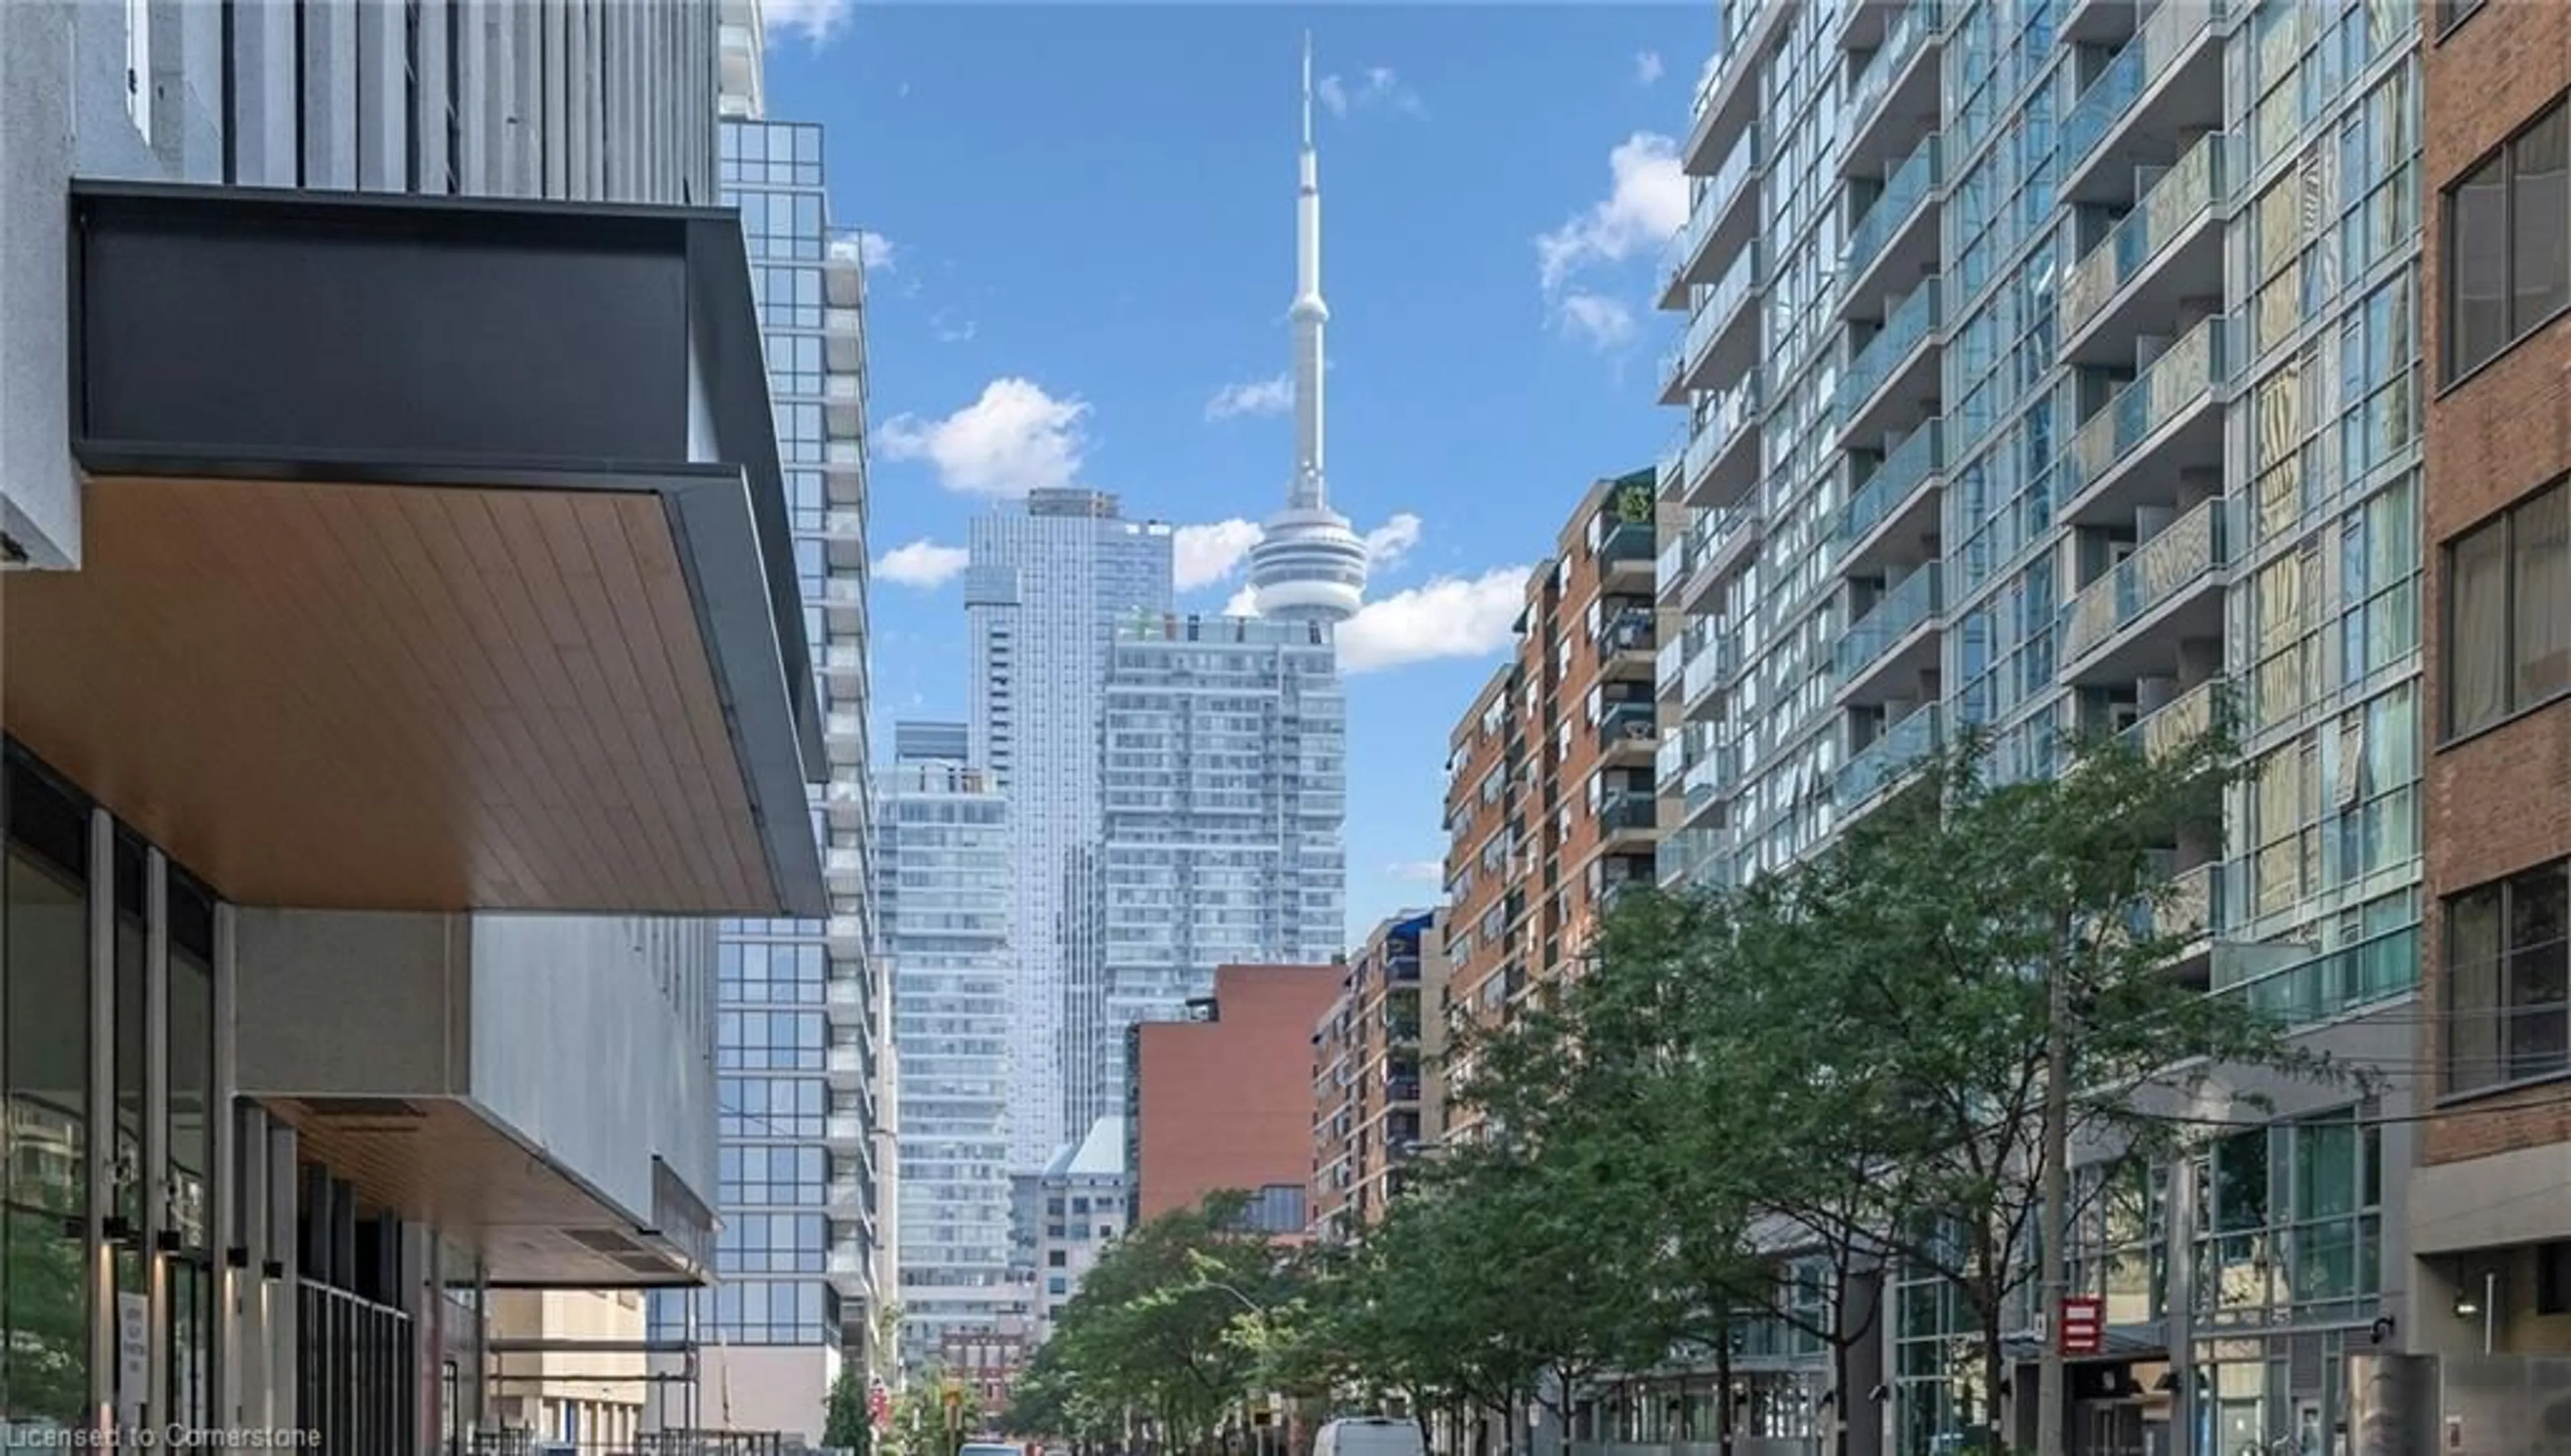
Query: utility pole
[(2051, 1396)]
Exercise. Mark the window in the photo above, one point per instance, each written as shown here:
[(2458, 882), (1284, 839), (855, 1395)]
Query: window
[(2553, 1278), (2452, 13), (2508, 612), (2508, 981), (2508, 243)]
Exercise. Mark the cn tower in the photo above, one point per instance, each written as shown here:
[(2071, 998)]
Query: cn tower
[(1308, 566)]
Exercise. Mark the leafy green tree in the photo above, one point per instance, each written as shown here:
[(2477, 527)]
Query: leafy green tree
[(1919, 996), (844, 1422)]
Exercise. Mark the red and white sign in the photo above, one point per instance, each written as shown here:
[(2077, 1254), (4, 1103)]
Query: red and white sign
[(2084, 1326)]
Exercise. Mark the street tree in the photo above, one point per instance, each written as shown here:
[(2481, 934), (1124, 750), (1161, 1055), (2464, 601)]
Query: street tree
[(1951, 948)]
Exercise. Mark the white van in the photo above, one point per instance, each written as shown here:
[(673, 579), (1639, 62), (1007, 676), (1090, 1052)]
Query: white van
[(1368, 1435)]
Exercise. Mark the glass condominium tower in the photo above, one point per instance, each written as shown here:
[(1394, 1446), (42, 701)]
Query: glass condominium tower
[(2050, 367), (944, 852), (1049, 583), (1223, 795), (798, 1001)]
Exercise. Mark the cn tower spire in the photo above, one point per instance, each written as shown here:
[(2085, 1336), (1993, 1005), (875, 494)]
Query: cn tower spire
[(1308, 564), (1308, 313)]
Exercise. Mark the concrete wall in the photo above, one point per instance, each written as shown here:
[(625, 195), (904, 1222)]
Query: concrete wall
[(590, 1038), (766, 1388), (593, 1039)]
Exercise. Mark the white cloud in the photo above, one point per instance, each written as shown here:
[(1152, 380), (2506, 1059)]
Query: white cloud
[(947, 329), (1392, 540), (1260, 396), (1647, 67), (1377, 86), (815, 20), (876, 251), (1451, 616), (1242, 604), (1646, 204), (1204, 555), (1014, 439), (923, 564), (1604, 321), (1417, 871)]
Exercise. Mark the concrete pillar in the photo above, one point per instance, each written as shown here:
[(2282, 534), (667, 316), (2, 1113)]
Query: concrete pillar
[(156, 1134), (224, 1186), (98, 1268)]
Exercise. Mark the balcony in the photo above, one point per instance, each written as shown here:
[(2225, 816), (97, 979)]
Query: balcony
[(845, 1065), (843, 341), (2160, 425), (1722, 337), (1896, 508), (1669, 568), (844, 673), (1627, 723), (2164, 252), (844, 735), (1628, 811), (2175, 724), (843, 1129), (1895, 98), (1896, 239), (1888, 759), (2331, 984), (1631, 630), (2164, 583), (1724, 103), (1722, 461), (1717, 224), (1625, 556), (1885, 653), (844, 471), (1725, 538), (1894, 373), (843, 402), (1670, 760), (1714, 665), (843, 269), (2164, 87)]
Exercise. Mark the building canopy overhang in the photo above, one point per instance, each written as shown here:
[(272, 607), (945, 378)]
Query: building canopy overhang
[(435, 557)]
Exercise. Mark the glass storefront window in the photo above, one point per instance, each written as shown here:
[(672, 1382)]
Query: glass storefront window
[(44, 1063)]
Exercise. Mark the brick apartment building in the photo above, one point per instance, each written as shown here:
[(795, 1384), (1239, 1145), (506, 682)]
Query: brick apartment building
[(2490, 1202), (1550, 800), (1375, 1095), (1224, 1100)]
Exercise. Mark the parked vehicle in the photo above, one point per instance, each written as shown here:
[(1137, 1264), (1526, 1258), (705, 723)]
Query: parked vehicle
[(1368, 1435)]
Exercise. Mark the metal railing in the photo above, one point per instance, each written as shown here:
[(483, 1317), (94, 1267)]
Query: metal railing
[(2175, 724), (1894, 751)]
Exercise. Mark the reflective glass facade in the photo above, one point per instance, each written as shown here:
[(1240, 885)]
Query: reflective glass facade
[(2052, 367), (944, 857), (797, 999)]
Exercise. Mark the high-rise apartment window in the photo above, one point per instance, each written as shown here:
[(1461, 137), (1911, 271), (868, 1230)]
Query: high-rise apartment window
[(2508, 981), (2508, 243), (2508, 612)]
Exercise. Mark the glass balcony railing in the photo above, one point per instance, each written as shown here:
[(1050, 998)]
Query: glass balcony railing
[(1895, 615), (2184, 554), (2185, 374), (1920, 455), (1901, 41), (1723, 299), (1681, 851), (2172, 26), (1624, 720), (1627, 630), (1714, 199), (1626, 541), (1720, 420), (1627, 810), (2175, 724), (1670, 760), (1671, 567), (1669, 663), (1902, 196), (1893, 751), (2182, 195), (1910, 322), (1713, 664)]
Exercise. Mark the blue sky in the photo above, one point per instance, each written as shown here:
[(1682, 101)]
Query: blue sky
[(1084, 236)]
